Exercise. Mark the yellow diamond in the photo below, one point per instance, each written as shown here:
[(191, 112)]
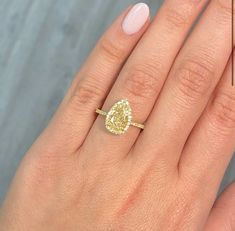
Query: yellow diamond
[(119, 117)]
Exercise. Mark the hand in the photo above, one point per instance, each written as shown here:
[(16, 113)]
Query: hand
[(79, 176)]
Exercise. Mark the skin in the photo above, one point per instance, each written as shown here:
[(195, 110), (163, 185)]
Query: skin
[(78, 176)]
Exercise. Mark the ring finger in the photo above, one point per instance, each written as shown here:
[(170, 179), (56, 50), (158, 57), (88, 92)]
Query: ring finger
[(143, 76), (75, 116)]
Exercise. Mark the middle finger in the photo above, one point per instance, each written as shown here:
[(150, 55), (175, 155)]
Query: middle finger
[(192, 79)]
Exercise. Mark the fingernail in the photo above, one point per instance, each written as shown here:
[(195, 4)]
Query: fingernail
[(136, 18)]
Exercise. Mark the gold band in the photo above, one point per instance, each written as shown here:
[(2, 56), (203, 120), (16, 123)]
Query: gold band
[(104, 113)]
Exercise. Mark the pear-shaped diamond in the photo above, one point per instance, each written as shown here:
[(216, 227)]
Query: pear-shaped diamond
[(119, 117)]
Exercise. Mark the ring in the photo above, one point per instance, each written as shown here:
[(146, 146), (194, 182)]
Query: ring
[(119, 117)]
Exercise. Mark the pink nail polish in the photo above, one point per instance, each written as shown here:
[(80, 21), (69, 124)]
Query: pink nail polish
[(136, 18)]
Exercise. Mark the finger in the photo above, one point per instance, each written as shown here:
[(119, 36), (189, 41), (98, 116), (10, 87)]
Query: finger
[(90, 87), (222, 216), (211, 143), (191, 81), (142, 77)]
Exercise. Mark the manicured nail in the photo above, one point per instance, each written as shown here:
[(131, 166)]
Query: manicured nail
[(136, 18)]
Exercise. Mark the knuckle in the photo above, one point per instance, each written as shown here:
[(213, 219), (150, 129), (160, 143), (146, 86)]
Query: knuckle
[(225, 6), (223, 109), (141, 81), (111, 49), (85, 93), (224, 11), (176, 18), (194, 79)]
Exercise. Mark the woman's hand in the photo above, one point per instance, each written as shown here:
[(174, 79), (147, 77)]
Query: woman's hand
[(79, 176)]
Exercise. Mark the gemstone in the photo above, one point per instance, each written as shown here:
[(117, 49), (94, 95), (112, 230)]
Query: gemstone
[(118, 119)]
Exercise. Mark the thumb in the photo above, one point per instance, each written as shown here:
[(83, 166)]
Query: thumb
[(222, 216)]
